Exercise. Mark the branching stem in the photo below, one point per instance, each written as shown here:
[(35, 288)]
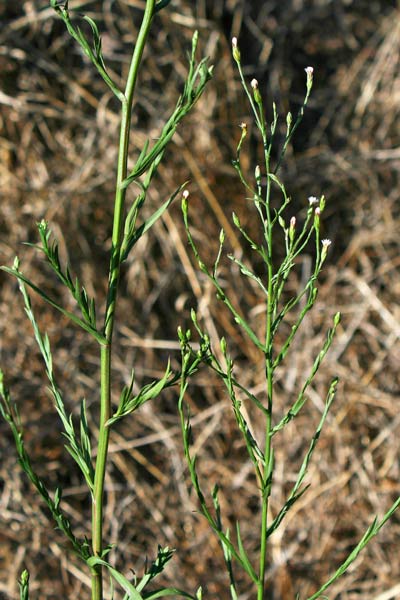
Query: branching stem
[(269, 371)]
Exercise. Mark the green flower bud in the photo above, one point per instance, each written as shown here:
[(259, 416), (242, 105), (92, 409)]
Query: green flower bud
[(235, 50)]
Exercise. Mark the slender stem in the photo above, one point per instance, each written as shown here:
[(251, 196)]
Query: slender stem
[(266, 485), (269, 371), (114, 272)]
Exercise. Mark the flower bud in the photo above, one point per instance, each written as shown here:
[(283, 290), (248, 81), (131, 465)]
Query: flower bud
[(256, 91), (292, 228), (310, 72), (317, 214), (223, 345), (337, 318), (235, 50), (185, 196), (325, 246)]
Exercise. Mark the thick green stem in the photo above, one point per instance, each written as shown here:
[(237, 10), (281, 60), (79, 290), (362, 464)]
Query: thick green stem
[(115, 266)]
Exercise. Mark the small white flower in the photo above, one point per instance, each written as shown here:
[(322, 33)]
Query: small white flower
[(186, 194), (243, 125), (317, 211), (313, 200), (309, 71), (326, 243), (235, 50), (293, 222), (254, 84)]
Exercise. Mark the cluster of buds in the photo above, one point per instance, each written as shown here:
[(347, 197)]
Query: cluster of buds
[(313, 201), (320, 202)]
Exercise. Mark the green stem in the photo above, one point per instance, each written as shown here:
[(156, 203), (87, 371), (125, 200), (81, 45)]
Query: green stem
[(114, 272), (266, 483), (269, 372)]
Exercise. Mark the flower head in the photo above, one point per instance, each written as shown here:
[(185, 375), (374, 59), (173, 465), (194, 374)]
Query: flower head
[(292, 228), (325, 246), (309, 71), (256, 92), (313, 200), (235, 50)]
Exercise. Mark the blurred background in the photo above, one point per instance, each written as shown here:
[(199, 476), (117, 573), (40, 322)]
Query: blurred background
[(58, 148)]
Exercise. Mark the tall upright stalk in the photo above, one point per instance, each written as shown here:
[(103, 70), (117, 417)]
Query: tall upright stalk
[(115, 266), (269, 371), (126, 232), (282, 306), (270, 201), (268, 466)]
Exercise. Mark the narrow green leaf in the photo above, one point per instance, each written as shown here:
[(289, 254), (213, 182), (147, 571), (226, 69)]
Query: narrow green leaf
[(244, 558), (301, 399), (132, 238), (129, 403), (126, 585), (164, 592), (10, 414), (82, 324), (95, 54), (164, 555), (371, 532), (296, 493), (248, 273)]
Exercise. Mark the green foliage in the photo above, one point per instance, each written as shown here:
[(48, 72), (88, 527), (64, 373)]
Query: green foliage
[(129, 402), (197, 79), (93, 51), (284, 313), (87, 306), (282, 307), (10, 414), (128, 228)]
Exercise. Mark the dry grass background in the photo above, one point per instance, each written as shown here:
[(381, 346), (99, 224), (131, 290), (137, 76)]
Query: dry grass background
[(58, 132)]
